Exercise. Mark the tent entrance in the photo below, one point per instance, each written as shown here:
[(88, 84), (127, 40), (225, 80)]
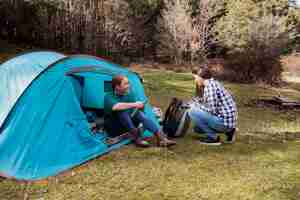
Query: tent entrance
[(90, 89)]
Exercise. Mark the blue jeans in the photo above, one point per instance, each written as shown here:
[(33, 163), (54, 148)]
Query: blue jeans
[(207, 123), (123, 122)]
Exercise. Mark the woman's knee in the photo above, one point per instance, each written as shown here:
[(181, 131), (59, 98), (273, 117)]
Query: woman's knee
[(196, 114)]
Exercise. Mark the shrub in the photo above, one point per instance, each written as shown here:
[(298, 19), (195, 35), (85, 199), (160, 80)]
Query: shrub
[(255, 38)]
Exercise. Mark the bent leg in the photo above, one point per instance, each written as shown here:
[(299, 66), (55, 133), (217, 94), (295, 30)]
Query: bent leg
[(201, 120), (126, 121), (208, 123), (148, 124), (217, 124), (198, 130)]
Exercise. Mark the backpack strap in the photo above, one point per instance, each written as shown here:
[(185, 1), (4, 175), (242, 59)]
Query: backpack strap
[(170, 110)]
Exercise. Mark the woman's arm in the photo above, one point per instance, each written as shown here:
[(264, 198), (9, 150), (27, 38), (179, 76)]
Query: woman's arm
[(210, 99)]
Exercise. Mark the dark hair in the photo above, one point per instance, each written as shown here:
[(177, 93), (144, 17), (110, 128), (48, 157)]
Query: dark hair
[(117, 80), (203, 71), (199, 91)]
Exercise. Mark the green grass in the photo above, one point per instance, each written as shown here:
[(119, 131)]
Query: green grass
[(263, 164)]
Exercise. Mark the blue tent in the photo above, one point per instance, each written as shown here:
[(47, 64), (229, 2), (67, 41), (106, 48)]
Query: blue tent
[(43, 124)]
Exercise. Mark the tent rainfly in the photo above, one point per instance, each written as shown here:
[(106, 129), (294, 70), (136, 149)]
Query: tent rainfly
[(44, 100)]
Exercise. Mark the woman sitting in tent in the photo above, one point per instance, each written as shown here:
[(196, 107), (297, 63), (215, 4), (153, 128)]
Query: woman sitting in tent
[(214, 109), (124, 113)]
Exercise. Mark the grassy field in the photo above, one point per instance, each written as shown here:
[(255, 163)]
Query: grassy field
[(263, 164)]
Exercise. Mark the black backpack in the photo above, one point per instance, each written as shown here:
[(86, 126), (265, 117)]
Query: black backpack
[(176, 119)]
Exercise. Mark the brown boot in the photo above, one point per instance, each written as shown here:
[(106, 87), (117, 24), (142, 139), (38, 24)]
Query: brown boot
[(136, 137), (163, 141)]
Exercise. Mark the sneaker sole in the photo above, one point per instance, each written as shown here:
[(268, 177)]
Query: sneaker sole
[(211, 144)]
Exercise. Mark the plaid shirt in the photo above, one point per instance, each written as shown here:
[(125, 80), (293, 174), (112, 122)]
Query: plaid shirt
[(219, 102)]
